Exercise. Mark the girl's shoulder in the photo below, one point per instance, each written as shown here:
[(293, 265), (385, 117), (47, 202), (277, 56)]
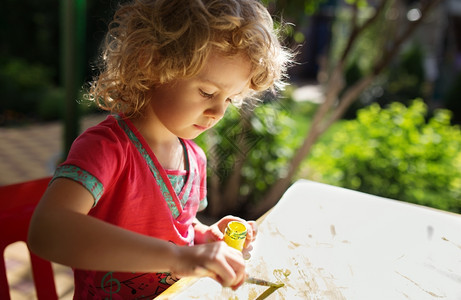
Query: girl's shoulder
[(106, 129), (104, 141)]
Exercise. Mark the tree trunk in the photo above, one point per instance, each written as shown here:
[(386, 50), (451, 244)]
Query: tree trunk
[(214, 183), (232, 186), (224, 186)]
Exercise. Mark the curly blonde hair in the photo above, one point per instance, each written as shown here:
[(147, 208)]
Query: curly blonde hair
[(151, 42)]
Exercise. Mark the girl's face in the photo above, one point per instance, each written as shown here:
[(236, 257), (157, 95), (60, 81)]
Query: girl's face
[(185, 108)]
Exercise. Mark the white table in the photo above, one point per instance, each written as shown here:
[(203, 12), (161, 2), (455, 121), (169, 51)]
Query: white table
[(326, 242)]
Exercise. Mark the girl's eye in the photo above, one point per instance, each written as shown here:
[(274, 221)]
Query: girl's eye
[(206, 95)]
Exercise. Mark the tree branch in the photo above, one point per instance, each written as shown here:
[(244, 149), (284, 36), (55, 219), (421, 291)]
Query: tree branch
[(389, 54), (348, 98), (356, 31), (355, 16)]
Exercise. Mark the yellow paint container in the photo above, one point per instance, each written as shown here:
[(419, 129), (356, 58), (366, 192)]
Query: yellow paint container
[(235, 235)]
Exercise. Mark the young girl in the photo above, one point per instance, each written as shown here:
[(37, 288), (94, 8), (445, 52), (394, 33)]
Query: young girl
[(121, 209)]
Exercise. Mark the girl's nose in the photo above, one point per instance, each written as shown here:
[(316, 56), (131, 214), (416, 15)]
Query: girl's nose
[(217, 109)]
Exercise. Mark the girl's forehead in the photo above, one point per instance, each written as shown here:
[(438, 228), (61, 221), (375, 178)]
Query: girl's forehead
[(227, 72)]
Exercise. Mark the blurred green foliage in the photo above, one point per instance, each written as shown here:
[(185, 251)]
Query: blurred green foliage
[(24, 86), (29, 93), (30, 30), (265, 139), (395, 153), (30, 57)]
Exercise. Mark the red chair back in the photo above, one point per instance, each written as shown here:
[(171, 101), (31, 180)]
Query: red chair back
[(17, 203)]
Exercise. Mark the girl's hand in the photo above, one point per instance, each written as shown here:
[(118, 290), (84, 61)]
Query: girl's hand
[(215, 260), (215, 232)]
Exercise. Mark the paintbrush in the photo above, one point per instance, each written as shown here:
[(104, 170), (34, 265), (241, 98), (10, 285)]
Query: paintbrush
[(263, 282)]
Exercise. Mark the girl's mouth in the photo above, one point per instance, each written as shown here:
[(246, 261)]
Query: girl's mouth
[(202, 128)]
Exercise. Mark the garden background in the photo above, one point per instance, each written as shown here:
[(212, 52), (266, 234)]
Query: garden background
[(385, 122)]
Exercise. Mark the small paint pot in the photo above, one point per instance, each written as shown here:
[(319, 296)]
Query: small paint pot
[(235, 235)]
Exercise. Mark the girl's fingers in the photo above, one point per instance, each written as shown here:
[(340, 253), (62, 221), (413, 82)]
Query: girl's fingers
[(246, 252), (216, 260), (252, 231), (229, 266), (254, 227), (216, 233), (202, 272)]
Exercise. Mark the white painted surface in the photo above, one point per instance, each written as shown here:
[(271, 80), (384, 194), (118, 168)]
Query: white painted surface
[(326, 242)]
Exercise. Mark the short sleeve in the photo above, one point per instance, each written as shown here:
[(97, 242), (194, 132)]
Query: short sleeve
[(91, 183), (95, 158)]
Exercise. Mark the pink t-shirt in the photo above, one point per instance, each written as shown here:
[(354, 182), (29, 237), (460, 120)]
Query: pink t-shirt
[(132, 190)]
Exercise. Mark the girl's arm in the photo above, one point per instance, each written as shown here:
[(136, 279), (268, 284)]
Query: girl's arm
[(61, 231)]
